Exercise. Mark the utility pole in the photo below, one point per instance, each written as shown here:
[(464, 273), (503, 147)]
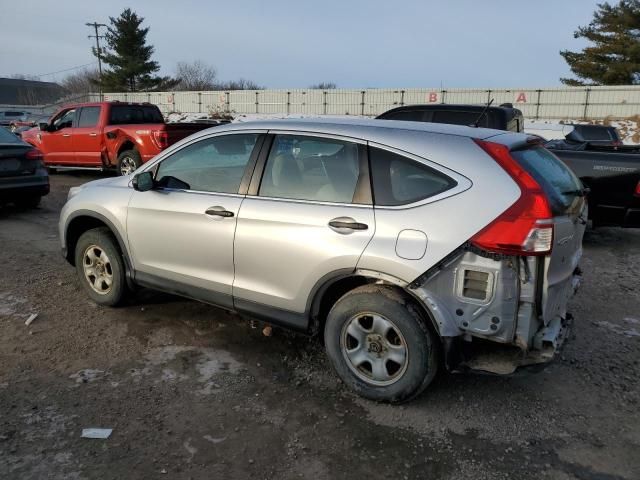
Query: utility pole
[(97, 36)]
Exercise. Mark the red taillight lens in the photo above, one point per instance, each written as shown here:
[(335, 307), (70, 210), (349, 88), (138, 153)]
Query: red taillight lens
[(637, 192), (160, 138), (526, 227), (33, 154)]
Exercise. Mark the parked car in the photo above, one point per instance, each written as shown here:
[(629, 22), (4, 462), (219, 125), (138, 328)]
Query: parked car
[(9, 116), (410, 246), (105, 135), (609, 170), (504, 117), (23, 177)]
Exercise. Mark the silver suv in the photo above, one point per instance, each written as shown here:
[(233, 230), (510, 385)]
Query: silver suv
[(409, 246)]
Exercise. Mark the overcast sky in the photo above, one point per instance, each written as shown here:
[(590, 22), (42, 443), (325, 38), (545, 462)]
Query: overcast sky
[(293, 44)]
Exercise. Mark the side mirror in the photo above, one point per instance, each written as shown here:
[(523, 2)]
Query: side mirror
[(44, 126), (143, 182)]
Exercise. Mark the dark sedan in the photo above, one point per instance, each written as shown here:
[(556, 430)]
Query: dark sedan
[(23, 178)]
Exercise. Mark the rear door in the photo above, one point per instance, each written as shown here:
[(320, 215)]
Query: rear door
[(569, 208), (309, 216), (87, 140)]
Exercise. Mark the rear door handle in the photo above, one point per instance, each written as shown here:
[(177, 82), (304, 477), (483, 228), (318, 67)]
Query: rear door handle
[(93, 134), (346, 224), (218, 212), (66, 134)]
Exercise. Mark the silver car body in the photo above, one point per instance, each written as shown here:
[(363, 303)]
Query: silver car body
[(273, 256)]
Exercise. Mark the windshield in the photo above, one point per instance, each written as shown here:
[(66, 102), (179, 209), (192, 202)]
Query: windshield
[(562, 187)]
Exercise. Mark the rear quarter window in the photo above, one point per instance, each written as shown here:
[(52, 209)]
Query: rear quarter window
[(399, 180), (556, 179)]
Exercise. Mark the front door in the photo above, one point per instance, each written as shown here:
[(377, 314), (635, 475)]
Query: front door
[(87, 140), (311, 218), (181, 232), (57, 143)]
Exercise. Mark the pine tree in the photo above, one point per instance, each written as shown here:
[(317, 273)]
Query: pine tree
[(613, 58), (129, 57)]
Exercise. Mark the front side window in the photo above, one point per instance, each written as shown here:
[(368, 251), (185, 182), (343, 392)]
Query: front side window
[(211, 165), (89, 117), (398, 180), (311, 168), (65, 120)]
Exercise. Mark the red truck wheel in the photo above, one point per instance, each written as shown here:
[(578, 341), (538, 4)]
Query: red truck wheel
[(128, 161)]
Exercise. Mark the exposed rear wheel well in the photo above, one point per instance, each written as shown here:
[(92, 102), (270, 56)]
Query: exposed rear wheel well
[(328, 296)]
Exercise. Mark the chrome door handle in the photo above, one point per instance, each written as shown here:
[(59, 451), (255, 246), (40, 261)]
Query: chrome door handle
[(219, 212), (93, 134), (66, 134), (345, 224)]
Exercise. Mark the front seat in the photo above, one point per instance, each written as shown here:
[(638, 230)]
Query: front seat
[(285, 176)]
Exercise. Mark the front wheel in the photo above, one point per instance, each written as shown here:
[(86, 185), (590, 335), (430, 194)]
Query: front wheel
[(128, 162), (100, 267), (380, 345)]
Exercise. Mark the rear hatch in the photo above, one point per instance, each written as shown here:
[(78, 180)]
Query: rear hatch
[(569, 208)]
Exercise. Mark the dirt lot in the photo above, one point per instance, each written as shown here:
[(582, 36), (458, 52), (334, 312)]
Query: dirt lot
[(193, 392)]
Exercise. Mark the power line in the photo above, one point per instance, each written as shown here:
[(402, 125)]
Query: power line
[(53, 73)]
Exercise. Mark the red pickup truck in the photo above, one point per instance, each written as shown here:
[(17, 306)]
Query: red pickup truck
[(105, 135)]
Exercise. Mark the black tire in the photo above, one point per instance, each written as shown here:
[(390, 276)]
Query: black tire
[(28, 202), (128, 161), (421, 345), (104, 241)]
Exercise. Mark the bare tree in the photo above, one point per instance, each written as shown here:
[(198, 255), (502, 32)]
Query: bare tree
[(240, 84), (84, 81), (324, 86), (195, 76)]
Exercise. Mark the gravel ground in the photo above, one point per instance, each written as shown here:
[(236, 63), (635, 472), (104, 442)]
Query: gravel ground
[(194, 392)]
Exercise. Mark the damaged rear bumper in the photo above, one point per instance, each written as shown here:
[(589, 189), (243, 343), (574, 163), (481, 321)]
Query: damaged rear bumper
[(494, 314)]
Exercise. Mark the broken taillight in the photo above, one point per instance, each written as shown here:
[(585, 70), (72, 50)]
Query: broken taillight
[(526, 227), (160, 138)]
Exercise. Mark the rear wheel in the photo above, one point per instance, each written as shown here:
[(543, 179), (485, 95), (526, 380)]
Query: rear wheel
[(380, 345), (100, 267), (128, 162)]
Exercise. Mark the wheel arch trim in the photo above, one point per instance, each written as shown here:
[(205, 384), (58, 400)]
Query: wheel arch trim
[(69, 255)]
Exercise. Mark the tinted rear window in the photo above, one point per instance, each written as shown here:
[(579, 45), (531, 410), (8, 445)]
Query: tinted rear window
[(408, 115), (555, 178), (596, 133), (460, 118), (132, 114)]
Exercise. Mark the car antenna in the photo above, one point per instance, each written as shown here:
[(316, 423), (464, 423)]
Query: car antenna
[(482, 114)]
